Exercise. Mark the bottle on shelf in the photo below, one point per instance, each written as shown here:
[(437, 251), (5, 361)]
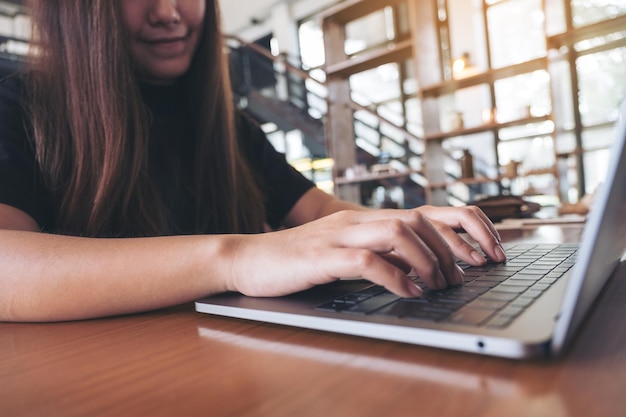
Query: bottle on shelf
[(467, 164)]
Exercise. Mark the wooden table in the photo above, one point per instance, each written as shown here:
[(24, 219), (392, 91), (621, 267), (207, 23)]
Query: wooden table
[(176, 362)]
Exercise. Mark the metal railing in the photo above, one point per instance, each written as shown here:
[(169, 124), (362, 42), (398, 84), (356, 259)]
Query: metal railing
[(255, 70)]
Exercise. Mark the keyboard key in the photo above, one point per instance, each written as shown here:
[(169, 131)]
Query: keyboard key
[(516, 263), (533, 293), (372, 304), (475, 272), (534, 271), (465, 292), (540, 287), (407, 308), (500, 272), (511, 311), (499, 322), (492, 305), (468, 315), (530, 278), (518, 283), (522, 301), (481, 284), (373, 290), (508, 268), (490, 295), (353, 298), (498, 296), (491, 278), (399, 309), (334, 306), (511, 289), (427, 316)]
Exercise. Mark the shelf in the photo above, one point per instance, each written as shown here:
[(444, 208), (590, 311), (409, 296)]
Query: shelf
[(485, 128), (350, 10), (485, 180), (450, 86), (375, 177), (466, 181), (539, 171), (594, 30), (391, 52), (581, 151)]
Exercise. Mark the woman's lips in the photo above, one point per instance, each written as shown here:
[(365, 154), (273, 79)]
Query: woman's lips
[(166, 46), (165, 40)]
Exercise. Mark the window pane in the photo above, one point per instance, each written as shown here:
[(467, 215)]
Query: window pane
[(595, 169), (409, 84), (566, 143), (403, 25), (555, 17), (367, 133), (391, 148), (393, 112), (586, 12), (371, 30), (516, 32), (376, 85), (563, 110), (527, 130), (595, 139), (414, 117), (464, 108), (534, 154), (523, 96), (602, 85), (480, 146), (600, 41), (539, 188), (311, 44), (467, 37)]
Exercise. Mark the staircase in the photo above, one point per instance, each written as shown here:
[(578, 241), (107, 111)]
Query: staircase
[(270, 95), (272, 90), (287, 117)]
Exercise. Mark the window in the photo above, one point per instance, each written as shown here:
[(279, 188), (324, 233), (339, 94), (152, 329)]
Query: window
[(536, 83), (586, 12)]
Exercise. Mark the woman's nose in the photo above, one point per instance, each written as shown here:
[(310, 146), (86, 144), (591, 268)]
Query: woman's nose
[(164, 12)]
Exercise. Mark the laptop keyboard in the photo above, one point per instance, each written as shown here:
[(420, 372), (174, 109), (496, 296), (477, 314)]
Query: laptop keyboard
[(493, 294)]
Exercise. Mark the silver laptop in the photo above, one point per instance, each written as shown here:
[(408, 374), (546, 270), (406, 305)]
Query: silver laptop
[(528, 307)]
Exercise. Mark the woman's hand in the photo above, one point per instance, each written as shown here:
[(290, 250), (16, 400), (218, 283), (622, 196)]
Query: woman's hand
[(381, 246), (448, 220)]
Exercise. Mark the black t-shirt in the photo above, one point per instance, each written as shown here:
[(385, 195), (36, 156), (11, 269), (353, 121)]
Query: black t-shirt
[(21, 185)]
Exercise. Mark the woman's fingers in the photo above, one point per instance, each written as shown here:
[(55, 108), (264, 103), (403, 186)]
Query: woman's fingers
[(414, 240), (382, 246), (280, 263), (373, 267), (398, 262), (475, 223)]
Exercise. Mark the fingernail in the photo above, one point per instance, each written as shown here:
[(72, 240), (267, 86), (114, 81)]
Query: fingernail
[(415, 290), (459, 275), (500, 256), (478, 257)]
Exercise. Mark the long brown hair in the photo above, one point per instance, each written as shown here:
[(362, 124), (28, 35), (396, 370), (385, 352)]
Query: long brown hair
[(91, 128)]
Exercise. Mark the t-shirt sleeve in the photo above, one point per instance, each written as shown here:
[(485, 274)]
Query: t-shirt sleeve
[(20, 180), (281, 184)]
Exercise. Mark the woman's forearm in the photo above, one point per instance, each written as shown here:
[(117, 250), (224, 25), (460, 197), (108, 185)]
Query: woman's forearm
[(316, 204), (50, 277)]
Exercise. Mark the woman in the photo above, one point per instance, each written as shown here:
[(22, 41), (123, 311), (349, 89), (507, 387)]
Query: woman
[(128, 184)]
